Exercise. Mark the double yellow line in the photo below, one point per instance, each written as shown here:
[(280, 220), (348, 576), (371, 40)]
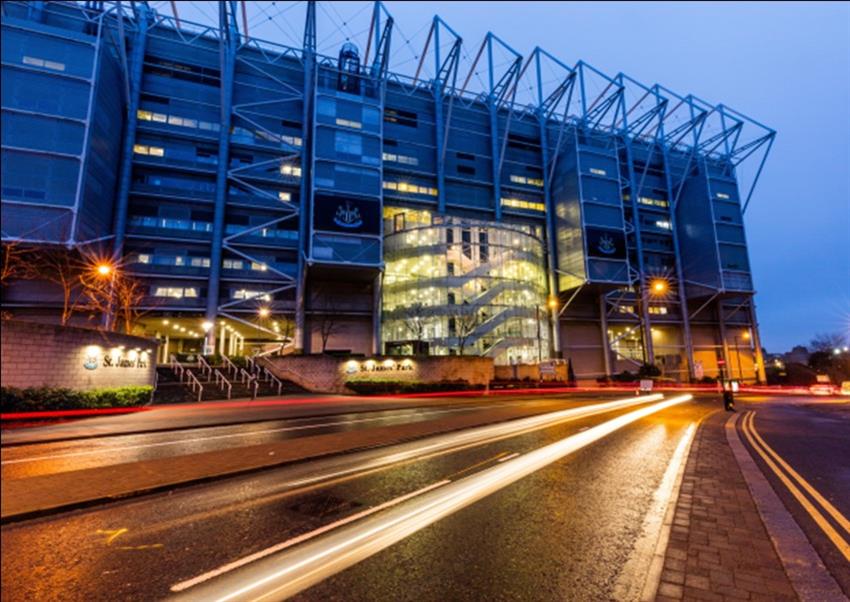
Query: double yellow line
[(794, 482)]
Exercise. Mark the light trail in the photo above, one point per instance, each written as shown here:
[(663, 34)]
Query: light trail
[(289, 572), (109, 449)]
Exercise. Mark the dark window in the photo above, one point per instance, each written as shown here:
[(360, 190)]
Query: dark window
[(520, 142), (401, 117), (287, 123), (451, 297), (390, 142), (450, 269), (465, 169), (452, 327), (465, 157), (450, 235), (154, 98), (483, 247)]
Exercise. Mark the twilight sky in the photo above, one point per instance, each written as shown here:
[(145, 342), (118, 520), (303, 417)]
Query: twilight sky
[(785, 64)]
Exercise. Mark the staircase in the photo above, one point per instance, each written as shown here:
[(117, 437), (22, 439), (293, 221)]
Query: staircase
[(201, 381)]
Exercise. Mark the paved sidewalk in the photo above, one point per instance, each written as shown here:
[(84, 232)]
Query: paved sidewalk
[(719, 548)]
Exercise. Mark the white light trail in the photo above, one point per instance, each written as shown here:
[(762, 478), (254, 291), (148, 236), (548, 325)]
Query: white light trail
[(287, 573)]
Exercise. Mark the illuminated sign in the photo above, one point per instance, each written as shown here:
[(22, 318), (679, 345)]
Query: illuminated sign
[(369, 366), (94, 357)]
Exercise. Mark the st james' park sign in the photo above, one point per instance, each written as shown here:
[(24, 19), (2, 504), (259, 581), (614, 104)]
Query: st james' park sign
[(116, 357)]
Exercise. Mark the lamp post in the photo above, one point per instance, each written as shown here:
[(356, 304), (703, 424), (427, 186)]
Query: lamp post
[(106, 270), (746, 337)]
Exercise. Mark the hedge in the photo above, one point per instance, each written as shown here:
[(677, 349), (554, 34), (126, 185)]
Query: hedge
[(378, 387), (39, 399)]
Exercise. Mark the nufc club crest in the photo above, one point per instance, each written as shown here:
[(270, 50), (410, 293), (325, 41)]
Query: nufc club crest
[(347, 216), (606, 245)]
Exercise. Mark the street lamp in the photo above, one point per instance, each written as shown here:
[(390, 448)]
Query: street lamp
[(658, 286), (106, 270), (207, 325), (264, 312)]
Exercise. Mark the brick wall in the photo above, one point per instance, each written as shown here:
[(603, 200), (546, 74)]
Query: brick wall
[(34, 355), (328, 374)]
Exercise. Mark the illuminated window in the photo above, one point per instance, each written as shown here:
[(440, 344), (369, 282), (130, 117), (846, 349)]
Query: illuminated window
[(37, 62), (175, 292), (626, 309), (529, 181), (284, 196), (155, 151), (664, 224), (410, 188), (257, 266), (144, 115), (403, 159), (598, 172), (348, 123), (523, 204), (287, 169), (722, 195), (200, 262), (143, 258), (659, 310), (249, 294), (232, 264)]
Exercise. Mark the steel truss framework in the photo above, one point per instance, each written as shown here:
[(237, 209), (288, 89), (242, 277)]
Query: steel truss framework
[(681, 132)]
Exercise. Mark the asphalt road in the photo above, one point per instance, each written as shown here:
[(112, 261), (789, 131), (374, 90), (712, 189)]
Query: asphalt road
[(813, 438), (566, 531)]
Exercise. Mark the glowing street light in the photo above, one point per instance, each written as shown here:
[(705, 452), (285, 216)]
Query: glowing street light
[(264, 312), (658, 286), (104, 269), (207, 325), (552, 303)]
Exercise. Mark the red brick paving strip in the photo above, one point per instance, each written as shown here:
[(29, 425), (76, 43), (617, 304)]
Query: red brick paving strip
[(719, 548), (30, 496)]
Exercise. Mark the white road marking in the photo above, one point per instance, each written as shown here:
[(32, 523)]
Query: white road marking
[(102, 450), (291, 571), (508, 457), (179, 587), (639, 577)]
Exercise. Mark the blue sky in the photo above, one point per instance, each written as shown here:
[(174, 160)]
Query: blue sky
[(786, 64)]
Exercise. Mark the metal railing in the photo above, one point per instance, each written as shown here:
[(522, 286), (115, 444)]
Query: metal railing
[(222, 382), (195, 385), (176, 366), (272, 379), (246, 378), (229, 365), (204, 367)]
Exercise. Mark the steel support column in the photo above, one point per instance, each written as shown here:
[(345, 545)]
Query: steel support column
[(377, 291), (301, 342), (603, 327), (761, 376), (227, 54), (126, 170)]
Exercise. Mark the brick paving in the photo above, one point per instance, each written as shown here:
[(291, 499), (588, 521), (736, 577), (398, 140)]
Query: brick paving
[(719, 548)]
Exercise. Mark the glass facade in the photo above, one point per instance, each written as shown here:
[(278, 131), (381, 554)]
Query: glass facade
[(464, 286)]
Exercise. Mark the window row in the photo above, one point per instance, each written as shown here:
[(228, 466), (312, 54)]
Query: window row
[(523, 204), (210, 126), (410, 188)]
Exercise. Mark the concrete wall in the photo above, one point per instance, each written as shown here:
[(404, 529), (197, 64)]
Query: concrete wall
[(34, 355), (328, 374), (558, 372)]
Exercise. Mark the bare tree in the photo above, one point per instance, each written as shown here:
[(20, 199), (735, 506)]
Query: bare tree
[(13, 263), (828, 341), (60, 266), (413, 320), (467, 319), (328, 320)]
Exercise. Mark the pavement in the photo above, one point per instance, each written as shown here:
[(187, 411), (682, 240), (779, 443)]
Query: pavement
[(642, 501)]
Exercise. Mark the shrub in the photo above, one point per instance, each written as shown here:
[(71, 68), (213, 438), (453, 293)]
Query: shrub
[(384, 387), (648, 371), (40, 399)]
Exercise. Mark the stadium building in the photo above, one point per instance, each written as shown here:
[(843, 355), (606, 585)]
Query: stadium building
[(478, 202)]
